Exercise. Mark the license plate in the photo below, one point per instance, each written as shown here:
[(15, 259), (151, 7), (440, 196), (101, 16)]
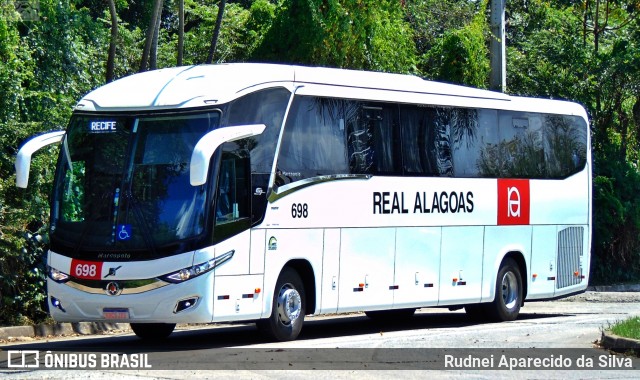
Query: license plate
[(119, 313)]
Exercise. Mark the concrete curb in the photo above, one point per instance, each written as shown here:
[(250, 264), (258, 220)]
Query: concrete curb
[(618, 343), (43, 330)]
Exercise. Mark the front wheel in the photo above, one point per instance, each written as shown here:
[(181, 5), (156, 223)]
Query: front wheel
[(152, 331), (287, 309), (508, 299)]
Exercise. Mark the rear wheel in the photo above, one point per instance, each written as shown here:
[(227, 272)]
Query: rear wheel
[(287, 309), (508, 299), (152, 331)]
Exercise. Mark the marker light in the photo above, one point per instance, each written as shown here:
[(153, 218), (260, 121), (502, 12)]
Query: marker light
[(57, 276), (56, 303), (197, 270), (185, 304)]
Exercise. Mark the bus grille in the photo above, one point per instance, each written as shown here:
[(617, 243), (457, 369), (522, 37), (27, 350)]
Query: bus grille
[(569, 252)]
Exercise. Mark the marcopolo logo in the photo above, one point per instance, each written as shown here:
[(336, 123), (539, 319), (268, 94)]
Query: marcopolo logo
[(513, 202)]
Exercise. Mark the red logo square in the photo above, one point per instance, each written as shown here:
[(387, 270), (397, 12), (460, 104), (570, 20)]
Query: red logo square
[(513, 202)]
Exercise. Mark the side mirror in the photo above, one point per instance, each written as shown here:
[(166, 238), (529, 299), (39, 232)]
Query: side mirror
[(208, 144), (23, 160)]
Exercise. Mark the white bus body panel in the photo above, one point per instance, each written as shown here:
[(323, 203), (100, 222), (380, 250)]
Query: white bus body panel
[(328, 292), (417, 267), (544, 243), (461, 265), (284, 245), (366, 269), (498, 242)]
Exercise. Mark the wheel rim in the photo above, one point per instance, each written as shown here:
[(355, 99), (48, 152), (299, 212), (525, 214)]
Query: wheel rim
[(510, 290), (289, 304)]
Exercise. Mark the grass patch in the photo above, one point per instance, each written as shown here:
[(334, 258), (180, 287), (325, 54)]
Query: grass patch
[(629, 328)]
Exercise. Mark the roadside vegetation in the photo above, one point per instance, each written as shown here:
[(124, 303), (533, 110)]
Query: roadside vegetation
[(629, 328), (586, 51)]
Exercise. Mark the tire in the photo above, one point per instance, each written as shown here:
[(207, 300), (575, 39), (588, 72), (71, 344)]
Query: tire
[(390, 315), (508, 299), (287, 309), (152, 331)]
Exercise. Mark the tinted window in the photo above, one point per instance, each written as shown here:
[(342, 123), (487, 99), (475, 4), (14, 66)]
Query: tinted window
[(427, 140), (263, 107), (469, 152), (373, 138), (314, 140), (565, 144), (461, 142)]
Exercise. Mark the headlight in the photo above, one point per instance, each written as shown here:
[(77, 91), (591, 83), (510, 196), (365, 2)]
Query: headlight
[(197, 270), (57, 276)]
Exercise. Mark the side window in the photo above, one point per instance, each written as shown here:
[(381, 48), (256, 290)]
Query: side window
[(473, 154), (519, 152), (263, 107), (487, 143), (426, 140), (565, 145), (373, 138), (522, 152), (232, 206), (313, 143)]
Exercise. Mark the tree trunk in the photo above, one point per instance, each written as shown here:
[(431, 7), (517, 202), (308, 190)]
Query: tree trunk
[(180, 31), (111, 59), (151, 30), (216, 31), (153, 54)]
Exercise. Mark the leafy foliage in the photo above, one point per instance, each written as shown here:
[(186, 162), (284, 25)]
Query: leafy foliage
[(589, 53), (356, 34), (461, 55)]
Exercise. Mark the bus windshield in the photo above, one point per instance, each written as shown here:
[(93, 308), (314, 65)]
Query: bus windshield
[(122, 184)]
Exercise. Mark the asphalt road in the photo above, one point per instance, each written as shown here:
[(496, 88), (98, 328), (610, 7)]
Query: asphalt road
[(349, 346)]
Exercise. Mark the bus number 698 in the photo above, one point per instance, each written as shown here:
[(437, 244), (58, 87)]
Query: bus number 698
[(299, 210)]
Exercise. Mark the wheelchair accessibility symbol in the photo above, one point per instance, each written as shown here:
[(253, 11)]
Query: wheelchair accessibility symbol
[(124, 231)]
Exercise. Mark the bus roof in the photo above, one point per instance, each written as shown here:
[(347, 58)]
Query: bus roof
[(206, 85)]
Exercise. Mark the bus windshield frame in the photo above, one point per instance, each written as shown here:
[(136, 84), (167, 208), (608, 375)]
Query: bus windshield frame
[(122, 188)]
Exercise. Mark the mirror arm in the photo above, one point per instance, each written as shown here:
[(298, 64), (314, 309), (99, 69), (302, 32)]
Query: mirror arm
[(207, 145), (23, 159)]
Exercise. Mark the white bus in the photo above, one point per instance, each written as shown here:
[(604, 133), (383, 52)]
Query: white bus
[(255, 192)]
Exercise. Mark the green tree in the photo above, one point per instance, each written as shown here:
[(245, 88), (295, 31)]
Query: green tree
[(587, 51), (356, 34), (45, 66), (432, 21)]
